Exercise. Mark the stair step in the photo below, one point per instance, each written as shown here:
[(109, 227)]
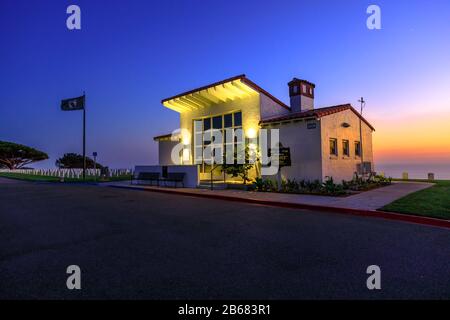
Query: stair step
[(216, 186)]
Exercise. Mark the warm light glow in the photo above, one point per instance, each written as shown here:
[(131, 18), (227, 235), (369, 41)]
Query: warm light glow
[(251, 133), (186, 137), (186, 155), (222, 93)]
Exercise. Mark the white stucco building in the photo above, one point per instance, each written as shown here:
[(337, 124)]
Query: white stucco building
[(324, 142)]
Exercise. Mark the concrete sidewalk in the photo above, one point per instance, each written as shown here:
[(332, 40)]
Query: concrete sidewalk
[(369, 200)]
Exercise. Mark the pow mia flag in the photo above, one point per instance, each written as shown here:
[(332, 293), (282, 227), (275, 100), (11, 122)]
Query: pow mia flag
[(78, 103), (73, 104)]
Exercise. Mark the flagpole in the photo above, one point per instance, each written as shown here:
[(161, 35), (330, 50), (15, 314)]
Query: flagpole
[(84, 137)]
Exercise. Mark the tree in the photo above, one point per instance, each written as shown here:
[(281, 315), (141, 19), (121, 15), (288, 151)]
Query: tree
[(75, 161), (16, 156), (239, 169)]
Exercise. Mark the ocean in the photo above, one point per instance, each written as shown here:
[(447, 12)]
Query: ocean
[(415, 171)]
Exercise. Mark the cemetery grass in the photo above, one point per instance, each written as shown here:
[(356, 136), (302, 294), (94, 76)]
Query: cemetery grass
[(432, 202), (42, 178)]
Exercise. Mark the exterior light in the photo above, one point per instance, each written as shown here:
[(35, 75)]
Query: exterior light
[(186, 139), (251, 133), (185, 136), (186, 155)]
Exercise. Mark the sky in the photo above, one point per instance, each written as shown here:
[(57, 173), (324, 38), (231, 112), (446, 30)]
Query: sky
[(129, 55)]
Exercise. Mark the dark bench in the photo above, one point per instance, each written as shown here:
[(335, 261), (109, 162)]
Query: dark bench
[(176, 177), (148, 176)]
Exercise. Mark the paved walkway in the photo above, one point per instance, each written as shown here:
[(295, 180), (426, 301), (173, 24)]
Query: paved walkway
[(369, 200)]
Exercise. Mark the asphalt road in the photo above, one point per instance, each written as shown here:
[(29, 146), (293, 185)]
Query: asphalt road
[(134, 244)]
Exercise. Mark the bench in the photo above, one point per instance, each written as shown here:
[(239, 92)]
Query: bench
[(175, 177), (148, 176)]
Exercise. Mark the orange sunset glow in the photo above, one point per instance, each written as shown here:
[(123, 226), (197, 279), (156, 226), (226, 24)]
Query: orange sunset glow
[(413, 138)]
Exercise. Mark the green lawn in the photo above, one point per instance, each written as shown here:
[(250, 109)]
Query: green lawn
[(431, 202), (31, 177)]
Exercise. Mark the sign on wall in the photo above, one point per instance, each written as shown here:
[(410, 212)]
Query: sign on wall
[(283, 154)]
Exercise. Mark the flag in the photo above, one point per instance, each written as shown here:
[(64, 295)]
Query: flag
[(72, 104)]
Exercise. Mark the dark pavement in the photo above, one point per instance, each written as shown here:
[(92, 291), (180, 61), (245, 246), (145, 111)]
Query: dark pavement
[(134, 244)]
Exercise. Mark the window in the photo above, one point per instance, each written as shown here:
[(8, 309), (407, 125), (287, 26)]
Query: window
[(333, 147), (238, 119), (217, 122), (206, 124), (357, 148), (295, 89), (310, 91), (198, 141), (228, 120), (206, 135), (304, 88), (346, 148)]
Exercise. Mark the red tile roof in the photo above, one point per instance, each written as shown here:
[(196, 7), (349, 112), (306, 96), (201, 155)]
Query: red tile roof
[(316, 113), (301, 80)]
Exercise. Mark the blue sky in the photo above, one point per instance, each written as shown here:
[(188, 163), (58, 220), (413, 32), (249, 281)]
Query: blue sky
[(131, 54)]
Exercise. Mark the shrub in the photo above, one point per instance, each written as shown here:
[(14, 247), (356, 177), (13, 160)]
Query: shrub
[(328, 187), (290, 186), (331, 188), (382, 180), (360, 184), (311, 186), (264, 185)]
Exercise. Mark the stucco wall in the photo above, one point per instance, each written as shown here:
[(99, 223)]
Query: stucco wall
[(165, 151), (305, 147), (270, 108), (342, 167)]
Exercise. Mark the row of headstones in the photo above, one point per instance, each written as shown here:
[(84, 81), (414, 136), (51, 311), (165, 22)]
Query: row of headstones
[(120, 172), (66, 173), (61, 173)]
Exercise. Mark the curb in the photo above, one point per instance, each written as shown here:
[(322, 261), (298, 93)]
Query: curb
[(346, 211)]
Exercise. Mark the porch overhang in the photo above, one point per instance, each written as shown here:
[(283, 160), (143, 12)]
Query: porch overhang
[(168, 137), (220, 92)]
